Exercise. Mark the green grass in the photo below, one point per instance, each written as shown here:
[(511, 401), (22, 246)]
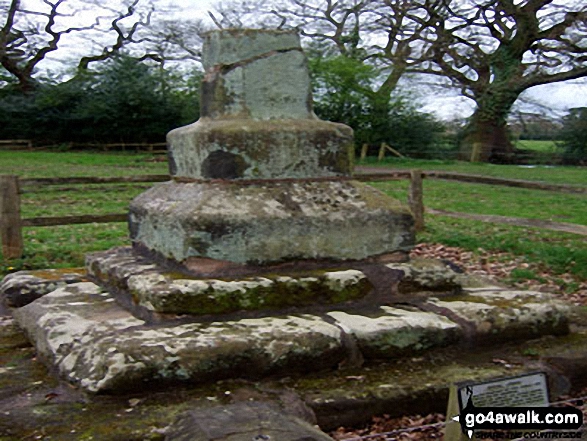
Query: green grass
[(63, 164), (555, 175), (66, 246), (558, 252), (537, 145), (78, 200)]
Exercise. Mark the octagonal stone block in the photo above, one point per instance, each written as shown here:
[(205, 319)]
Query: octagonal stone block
[(269, 223)]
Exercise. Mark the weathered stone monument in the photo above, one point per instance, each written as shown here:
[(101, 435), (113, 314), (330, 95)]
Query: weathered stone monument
[(261, 255), (260, 180)]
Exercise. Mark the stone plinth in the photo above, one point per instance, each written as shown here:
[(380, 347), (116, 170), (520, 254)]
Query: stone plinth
[(270, 222), (259, 179), (256, 149)]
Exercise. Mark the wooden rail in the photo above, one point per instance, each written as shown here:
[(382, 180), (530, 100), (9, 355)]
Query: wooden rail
[(477, 179), (16, 144), (11, 223), (73, 220), (36, 182), (372, 173), (154, 147)]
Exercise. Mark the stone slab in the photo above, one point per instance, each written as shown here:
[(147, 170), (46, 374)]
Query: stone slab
[(23, 287), (95, 343), (426, 275), (242, 422), (211, 296), (99, 346), (406, 386), (501, 314), (269, 223), (396, 332), (157, 289)]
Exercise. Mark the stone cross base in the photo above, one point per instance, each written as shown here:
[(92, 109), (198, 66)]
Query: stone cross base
[(259, 179), (81, 331), (270, 222)]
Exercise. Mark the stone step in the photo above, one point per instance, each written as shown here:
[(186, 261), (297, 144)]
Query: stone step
[(97, 344), (150, 290), (33, 403)]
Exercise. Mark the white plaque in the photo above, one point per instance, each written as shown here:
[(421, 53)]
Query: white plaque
[(529, 390)]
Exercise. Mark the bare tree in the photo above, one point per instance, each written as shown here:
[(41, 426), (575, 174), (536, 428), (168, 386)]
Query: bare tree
[(174, 40), (30, 33), (493, 50)]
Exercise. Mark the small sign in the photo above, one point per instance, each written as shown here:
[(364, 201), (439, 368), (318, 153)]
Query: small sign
[(528, 390)]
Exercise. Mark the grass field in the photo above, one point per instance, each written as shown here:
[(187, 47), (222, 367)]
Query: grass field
[(66, 246), (48, 164), (537, 145)]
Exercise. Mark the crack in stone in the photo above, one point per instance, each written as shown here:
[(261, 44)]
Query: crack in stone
[(353, 355), (469, 328), (227, 67)]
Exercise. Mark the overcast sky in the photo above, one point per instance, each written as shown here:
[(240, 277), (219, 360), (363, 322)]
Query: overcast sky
[(558, 97)]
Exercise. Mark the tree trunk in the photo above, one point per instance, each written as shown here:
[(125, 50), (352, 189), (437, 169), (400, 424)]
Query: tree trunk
[(486, 135), (486, 141)]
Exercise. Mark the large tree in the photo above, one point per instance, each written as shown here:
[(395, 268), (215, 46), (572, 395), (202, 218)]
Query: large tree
[(493, 50), (31, 31)]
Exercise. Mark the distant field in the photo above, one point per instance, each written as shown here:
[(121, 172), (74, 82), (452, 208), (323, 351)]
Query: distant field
[(538, 146), (62, 164), (66, 246)]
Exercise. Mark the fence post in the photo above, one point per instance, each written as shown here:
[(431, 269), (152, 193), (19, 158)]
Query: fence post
[(364, 151), (10, 224), (415, 199), (381, 152)]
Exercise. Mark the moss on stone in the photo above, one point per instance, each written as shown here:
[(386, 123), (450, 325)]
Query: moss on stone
[(252, 294), (57, 273)]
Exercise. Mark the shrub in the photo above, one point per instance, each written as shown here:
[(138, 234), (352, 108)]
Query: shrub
[(573, 136)]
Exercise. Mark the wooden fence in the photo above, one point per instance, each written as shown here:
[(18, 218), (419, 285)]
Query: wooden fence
[(16, 144), (11, 187), (11, 223)]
